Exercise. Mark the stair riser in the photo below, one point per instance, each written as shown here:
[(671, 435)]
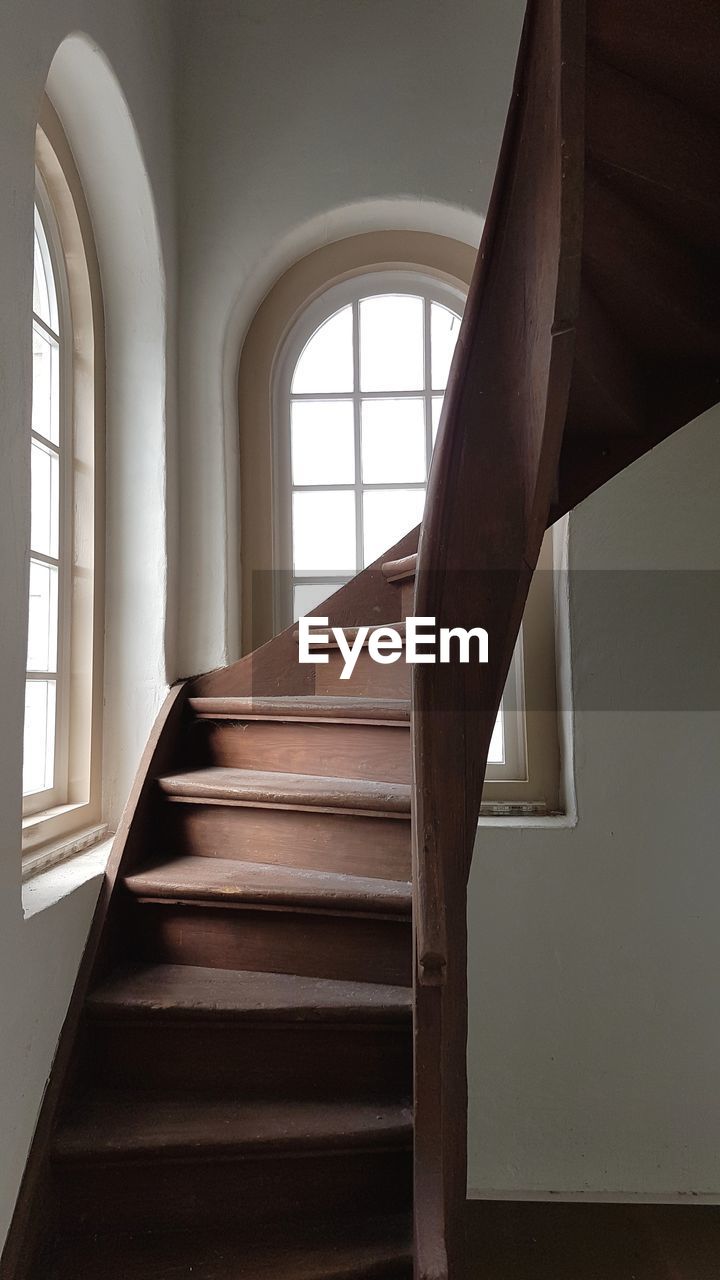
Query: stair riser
[(155, 1195), (374, 752), (256, 1060), (345, 947), (323, 842), (111, 1259), (369, 679)]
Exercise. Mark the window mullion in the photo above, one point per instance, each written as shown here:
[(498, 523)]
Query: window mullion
[(427, 383), (357, 427)]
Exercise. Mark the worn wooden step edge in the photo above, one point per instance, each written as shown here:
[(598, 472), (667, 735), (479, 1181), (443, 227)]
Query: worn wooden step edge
[(388, 711), (289, 791), (378, 1248), (350, 634), (195, 879), (110, 1125), (400, 570), (178, 993)]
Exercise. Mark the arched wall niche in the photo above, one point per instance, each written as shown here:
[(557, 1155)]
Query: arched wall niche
[(139, 619), (371, 235)]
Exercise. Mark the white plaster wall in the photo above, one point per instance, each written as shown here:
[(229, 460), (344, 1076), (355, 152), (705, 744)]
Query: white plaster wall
[(594, 1045), (302, 121), (39, 956)]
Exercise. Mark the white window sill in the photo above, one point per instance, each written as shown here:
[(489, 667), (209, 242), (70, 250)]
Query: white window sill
[(48, 883), (522, 813)]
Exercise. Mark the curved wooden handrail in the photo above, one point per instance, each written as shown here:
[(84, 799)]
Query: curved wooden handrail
[(489, 494)]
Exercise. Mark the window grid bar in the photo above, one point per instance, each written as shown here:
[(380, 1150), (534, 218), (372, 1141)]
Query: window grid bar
[(357, 427), (417, 394), (350, 488), (427, 371), (41, 675), (40, 556), (46, 444), (49, 333), (425, 392)]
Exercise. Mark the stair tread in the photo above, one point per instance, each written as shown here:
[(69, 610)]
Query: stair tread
[(114, 1124), (383, 710), (397, 570), (289, 789), (227, 880), (188, 991), (376, 1247)]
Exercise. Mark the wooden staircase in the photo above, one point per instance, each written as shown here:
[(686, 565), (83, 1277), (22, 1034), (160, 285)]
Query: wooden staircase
[(238, 1095), (262, 1069)]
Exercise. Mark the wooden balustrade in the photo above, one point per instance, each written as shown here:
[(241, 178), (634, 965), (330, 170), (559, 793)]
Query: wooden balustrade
[(489, 495)]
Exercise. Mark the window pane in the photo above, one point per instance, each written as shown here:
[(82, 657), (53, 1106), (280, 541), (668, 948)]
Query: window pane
[(324, 532), (44, 500), (391, 343), (44, 292), (39, 738), (444, 329), (393, 441), (323, 442), (496, 754), (437, 404), (307, 595), (41, 298), (326, 362), (387, 515), (45, 386), (42, 618)]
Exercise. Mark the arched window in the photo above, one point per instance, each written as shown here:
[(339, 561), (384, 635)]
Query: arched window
[(357, 376), (359, 398), (358, 404), (64, 663)]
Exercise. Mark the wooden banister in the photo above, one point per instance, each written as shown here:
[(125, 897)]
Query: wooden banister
[(490, 490)]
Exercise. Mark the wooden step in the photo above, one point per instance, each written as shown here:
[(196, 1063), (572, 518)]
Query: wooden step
[(658, 152), (358, 844), (374, 1249), (400, 570), (191, 879), (112, 1126), (389, 711), (288, 790), (255, 1035), (171, 992), (267, 1192), (658, 294), (669, 48), (309, 943), (376, 751)]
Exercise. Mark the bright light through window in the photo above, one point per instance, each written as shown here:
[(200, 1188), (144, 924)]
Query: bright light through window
[(365, 400), (39, 760)]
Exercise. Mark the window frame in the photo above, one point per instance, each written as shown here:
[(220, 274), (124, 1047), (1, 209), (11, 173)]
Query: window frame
[(40, 801), (347, 293), (57, 822), (513, 771)]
